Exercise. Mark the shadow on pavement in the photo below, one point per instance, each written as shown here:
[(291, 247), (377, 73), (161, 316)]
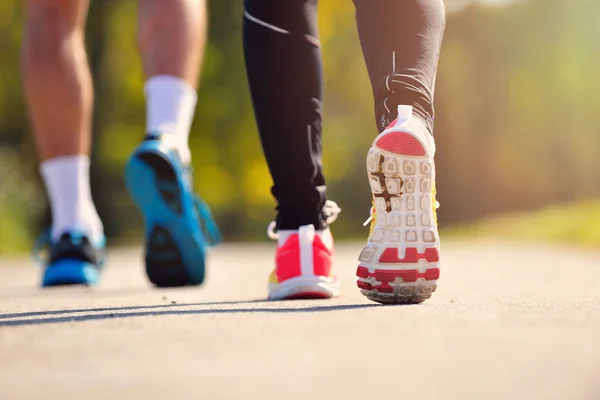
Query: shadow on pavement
[(58, 316), (127, 308)]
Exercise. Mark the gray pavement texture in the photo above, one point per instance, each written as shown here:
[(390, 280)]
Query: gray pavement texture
[(507, 322)]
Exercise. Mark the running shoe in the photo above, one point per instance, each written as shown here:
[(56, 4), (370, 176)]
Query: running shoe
[(179, 226), (73, 260), (303, 261), (401, 263)]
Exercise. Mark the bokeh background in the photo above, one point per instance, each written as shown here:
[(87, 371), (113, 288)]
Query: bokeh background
[(517, 123)]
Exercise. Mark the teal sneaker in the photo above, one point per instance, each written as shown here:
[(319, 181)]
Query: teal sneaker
[(73, 260), (178, 225)]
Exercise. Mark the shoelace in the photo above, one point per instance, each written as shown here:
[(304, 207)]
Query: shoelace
[(372, 211), (330, 209)]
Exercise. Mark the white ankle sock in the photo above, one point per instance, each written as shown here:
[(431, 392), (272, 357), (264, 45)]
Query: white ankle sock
[(171, 102), (67, 181)]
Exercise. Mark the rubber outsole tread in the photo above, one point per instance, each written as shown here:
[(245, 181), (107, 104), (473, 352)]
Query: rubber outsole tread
[(400, 265), (167, 235)]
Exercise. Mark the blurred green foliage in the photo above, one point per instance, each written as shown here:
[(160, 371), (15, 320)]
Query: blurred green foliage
[(517, 118), (573, 223)]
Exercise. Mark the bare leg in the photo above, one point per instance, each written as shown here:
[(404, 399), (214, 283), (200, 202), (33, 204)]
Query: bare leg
[(59, 93), (57, 81), (171, 36)]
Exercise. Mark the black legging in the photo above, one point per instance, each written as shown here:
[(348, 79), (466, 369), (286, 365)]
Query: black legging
[(401, 41)]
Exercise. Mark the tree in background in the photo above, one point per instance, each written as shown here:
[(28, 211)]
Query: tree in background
[(516, 118)]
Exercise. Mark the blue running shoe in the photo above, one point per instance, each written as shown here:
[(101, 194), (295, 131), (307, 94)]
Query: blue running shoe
[(73, 260), (178, 225)]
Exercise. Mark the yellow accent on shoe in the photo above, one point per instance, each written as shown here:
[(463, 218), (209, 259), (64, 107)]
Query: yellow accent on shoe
[(373, 219), (434, 203), (273, 279)]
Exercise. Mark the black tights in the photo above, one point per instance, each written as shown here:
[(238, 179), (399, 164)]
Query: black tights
[(401, 41)]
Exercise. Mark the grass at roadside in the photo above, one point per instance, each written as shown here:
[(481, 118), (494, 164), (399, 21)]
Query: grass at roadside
[(21, 203), (575, 223)]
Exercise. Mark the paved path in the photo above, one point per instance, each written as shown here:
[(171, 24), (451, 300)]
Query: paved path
[(506, 323)]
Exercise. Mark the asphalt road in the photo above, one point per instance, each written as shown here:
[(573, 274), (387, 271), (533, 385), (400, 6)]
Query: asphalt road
[(507, 322)]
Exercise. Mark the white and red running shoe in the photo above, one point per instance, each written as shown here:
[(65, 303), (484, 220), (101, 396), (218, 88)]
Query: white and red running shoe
[(303, 262), (400, 263)]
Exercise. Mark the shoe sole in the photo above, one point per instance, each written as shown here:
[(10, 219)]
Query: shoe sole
[(175, 254), (400, 264), (305, 288), (70, 272)]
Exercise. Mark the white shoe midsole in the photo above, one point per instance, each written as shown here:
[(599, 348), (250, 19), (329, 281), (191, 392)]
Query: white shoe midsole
[(326, 286)]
